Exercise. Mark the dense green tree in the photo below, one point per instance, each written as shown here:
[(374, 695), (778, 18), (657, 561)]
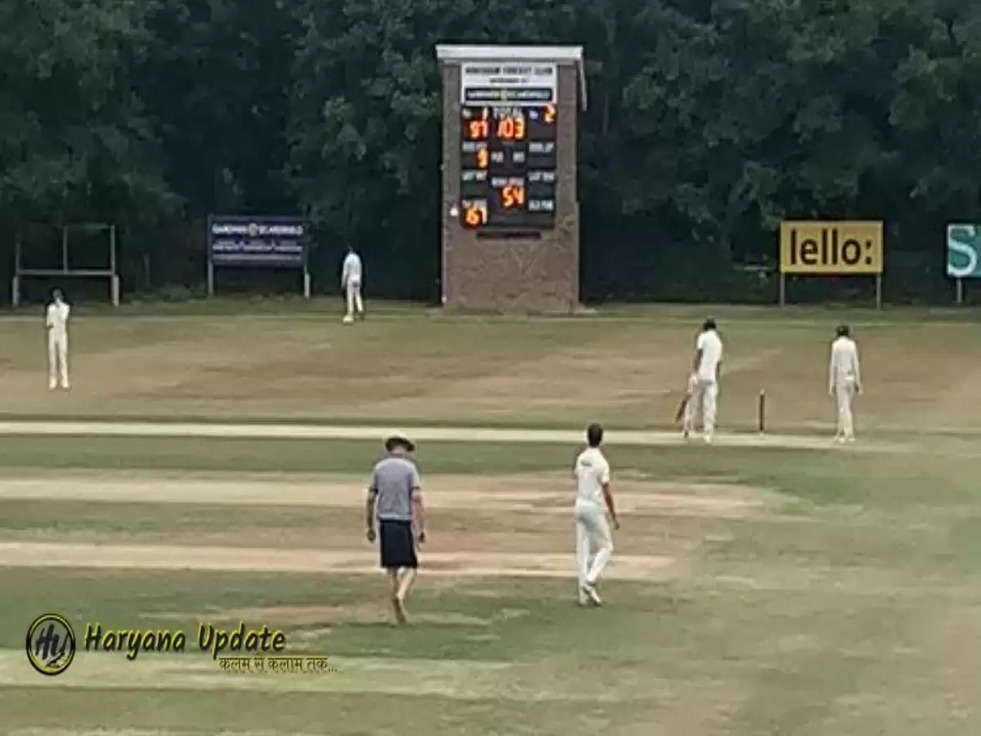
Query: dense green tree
[(709, 121), (75, 139), (217, 85), (365, 128), (763, 107)]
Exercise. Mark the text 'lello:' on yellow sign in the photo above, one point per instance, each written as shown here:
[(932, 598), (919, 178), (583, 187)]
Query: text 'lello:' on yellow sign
[(831, 247)]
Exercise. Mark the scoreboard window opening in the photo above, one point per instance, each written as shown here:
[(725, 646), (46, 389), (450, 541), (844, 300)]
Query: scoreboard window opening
[(508, 166)]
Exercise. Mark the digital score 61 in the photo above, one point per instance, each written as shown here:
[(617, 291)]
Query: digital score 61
[(507, 167)]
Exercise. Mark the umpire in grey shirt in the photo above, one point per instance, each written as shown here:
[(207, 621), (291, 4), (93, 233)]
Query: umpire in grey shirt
[(395, 496)]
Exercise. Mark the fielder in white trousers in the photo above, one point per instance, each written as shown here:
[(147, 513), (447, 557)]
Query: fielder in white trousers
[(707, 365), (56, 322), (354, 301), (592, 473), (351, 272), (844, 382), (845, 394), (704, 402), (592, 532)]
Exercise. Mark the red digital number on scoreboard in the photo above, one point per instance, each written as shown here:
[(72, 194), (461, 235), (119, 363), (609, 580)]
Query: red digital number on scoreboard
[(508, 163), (512, 196), (478, 130), (475, 214), (511, 128)]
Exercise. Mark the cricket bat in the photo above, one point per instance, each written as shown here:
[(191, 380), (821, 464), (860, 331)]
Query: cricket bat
[(681, 409)]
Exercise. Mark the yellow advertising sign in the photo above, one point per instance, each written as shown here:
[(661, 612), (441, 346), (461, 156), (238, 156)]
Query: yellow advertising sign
[(831, 247)]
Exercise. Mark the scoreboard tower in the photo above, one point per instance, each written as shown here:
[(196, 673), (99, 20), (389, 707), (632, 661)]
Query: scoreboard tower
[(510, 194)]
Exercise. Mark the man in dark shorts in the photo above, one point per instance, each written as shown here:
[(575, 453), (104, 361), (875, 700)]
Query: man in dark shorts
[(396, 493)]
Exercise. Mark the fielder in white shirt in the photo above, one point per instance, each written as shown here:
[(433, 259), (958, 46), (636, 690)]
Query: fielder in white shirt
[(56, 321), (844, 381), (707, 366), (592, 473), (351, 284)]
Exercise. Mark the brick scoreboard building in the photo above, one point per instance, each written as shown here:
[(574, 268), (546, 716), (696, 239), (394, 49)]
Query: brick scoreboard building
[(510, 192)]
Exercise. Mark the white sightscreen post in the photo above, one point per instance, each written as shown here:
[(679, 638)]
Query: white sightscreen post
[(15, 281), (306, 283), (112, 266), (211, 266)]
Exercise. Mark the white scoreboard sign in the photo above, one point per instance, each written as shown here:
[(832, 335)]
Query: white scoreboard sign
[(511, 83)]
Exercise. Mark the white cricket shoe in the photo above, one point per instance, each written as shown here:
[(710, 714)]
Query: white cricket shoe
[(348, 319), (591, 594)]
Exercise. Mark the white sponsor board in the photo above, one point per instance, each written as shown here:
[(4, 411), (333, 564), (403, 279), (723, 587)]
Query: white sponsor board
[(515, 83)]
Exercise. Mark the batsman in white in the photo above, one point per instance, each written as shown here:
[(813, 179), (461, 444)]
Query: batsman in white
[(707, 365), (351, 272), (56, 322), (844, 381), (592, 473)]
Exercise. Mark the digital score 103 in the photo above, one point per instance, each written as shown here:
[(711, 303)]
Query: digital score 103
[(507, 167)]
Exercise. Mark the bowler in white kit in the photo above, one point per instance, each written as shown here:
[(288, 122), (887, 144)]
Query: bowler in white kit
[(56, 322), (592, 473), (351, 272), (844, 381), (707, 365)]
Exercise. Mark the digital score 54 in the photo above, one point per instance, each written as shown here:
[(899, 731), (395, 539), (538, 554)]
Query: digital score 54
[(508, 167)]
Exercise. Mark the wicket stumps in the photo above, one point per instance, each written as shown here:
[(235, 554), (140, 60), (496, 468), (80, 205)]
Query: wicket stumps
[(761, 411)]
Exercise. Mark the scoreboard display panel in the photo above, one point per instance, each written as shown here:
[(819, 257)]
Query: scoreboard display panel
[(507, 166)]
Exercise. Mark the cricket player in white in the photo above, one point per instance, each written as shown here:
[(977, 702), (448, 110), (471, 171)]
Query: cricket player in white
[(844, 381), (56, 321), (592, 473), (351, 284), (707, 366)]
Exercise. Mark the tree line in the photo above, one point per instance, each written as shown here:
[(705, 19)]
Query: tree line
[(709, 122)]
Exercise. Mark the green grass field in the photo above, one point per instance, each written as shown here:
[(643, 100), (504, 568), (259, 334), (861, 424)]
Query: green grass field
[(624, 367), (753, 590)]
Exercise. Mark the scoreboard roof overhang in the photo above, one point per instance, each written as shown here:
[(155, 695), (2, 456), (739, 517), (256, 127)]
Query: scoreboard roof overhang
[(448, 52)]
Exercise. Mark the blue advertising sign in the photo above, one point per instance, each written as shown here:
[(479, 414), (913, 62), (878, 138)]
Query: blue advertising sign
[(265, 242), (964, 251)]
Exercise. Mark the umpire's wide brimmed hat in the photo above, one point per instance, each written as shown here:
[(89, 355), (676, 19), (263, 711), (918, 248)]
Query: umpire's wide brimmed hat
[(398, 439)]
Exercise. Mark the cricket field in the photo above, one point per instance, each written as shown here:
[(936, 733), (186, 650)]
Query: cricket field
[(208, 469)]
